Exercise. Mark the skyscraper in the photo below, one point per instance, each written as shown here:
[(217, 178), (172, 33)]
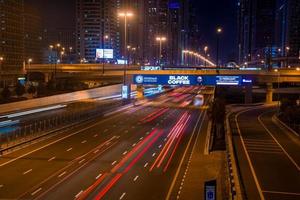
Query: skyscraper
[(11, 40), (96, 27), (256, 25)]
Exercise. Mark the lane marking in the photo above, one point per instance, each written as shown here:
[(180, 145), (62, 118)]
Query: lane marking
[(136, 177), (159, 146), (97, 150), (62, 174), (35, 192), (270, 133), (84, 141), (125, 152), (134, 145), (97, 177), (141, 138), (69, 149), (184, 155), (122, 196), (78, 194), (146, 165), (113, 163), (28, 171), (278, 192), (247, 154), (81, 161), (51, 159), (153, 154)]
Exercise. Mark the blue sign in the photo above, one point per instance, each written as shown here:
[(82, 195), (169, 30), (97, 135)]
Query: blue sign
[(174, 5), (188, 80)]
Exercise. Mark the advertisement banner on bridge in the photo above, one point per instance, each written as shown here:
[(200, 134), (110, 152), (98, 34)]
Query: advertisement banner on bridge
[(188, 80)]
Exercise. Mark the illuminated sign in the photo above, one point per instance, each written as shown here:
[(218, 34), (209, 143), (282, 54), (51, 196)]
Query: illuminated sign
[(228, 80), (125, 92), (104, 53), (149, 79), (174, 5), (150, 68)]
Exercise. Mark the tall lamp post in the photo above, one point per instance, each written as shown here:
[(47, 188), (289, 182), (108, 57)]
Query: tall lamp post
[(160, 40), (287, 56), (1, 61), (278, 86), (219, 31), (125, 15), (205, 51)]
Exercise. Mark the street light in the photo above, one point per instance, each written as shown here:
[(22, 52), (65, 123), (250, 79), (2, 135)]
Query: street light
[(219, 31), (287, 55), (125, 15), (1, 61), (160, 40), (205, 51)]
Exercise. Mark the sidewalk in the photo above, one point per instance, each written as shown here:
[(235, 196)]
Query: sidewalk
[(203, 168)]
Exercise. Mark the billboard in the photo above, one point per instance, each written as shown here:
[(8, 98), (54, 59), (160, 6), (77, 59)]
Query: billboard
[(190, 80), (104, 53)]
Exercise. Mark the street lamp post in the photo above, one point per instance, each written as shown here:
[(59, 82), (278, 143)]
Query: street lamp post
[(278, 86), (219, 31), (287, 56), (160, 40), (29, 66), (205, 51), (125, 15), (1, 61)]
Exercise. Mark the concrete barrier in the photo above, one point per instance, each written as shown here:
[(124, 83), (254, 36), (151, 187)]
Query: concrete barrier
[(61, 99)]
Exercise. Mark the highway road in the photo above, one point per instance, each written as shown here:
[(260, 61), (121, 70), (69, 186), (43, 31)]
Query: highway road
[(135, 153), (267, 154)]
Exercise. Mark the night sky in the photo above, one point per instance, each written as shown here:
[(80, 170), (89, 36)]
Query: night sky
[(211, 13)]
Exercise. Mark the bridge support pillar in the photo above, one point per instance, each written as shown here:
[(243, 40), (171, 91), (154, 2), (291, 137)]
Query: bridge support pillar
[(248, 94), (140, 92), (269, 93)]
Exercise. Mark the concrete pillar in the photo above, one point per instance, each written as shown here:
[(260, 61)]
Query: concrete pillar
[(269, 93), (248, 94), (140, 92)]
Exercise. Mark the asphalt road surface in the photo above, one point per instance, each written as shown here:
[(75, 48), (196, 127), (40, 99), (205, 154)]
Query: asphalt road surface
[(135, 153), (268, 155)]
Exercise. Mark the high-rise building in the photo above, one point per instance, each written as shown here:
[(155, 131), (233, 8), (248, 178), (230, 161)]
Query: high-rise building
[(288, 27), (33, 43), (256, 25), (11, 40), (96, 28)]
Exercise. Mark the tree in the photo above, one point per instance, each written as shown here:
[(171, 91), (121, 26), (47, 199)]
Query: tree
[(20, 89), (6, 93)]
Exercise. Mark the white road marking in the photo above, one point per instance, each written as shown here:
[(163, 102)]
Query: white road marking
[(165, 139), (122, 196), (62, 174), (78, 194), (69, 149), (114, 162), (141, 138), (84, 141), (28, 171), (153, 154), (125, 152), (98, 176), (35, 192), (133, 144), (81, 161), (146, 165), (96, 151), (51, 159), (159, 146), (135, 178), (285, 193)]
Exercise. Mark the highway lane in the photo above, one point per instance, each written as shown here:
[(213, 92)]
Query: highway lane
[(54, 162), (268, 155)]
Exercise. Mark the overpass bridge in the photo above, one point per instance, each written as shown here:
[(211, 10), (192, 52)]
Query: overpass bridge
[(98, 71)]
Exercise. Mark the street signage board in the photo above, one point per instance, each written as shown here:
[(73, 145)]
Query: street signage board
[(190, 80), (210, 190)]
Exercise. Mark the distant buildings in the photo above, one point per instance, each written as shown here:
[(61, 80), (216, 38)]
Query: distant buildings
[(20, 39), (11, 41), (268, 32), (96, 28)]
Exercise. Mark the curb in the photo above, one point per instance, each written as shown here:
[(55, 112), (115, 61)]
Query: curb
[(235, 186), (276, 119)]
